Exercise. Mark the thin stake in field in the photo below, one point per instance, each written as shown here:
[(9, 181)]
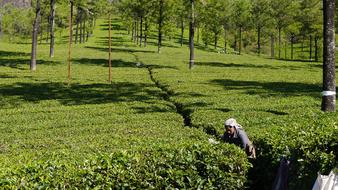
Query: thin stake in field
[(70, 39), (110, 75)]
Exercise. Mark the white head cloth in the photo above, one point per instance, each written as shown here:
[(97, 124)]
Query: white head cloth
[(231, 122)]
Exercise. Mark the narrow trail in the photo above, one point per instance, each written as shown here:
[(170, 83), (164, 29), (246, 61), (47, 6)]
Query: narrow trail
[(186, 115), (179, 107)]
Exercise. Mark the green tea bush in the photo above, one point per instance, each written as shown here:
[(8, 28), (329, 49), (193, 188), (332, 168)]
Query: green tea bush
[(278, 104), (310, 149), (193, 166), (310, 145)]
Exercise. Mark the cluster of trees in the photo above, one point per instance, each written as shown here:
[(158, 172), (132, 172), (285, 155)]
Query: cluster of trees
[(34, 18), (236, 23), (295, 21), (255, 24)]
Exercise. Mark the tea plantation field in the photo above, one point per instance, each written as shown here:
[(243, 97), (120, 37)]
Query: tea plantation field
[(149, 128)]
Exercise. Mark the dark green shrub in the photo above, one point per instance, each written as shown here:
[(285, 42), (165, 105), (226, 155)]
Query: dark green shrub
[(193, 166), (310, 145), (310, 150)]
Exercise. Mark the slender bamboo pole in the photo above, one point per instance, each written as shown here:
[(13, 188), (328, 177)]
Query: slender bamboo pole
[(70, 39), (110, 75)]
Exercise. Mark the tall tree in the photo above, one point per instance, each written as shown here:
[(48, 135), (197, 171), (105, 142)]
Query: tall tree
[(35, 35), (291, 31), (311, 20), (283, 12), (225, 20), (78, 20), (241, 16), (329, 58), (211, 16), (181, 15), (261, 12), (162, 16)]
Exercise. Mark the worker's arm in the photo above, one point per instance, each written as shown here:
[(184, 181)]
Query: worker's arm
[(244, 138), (246, 144)]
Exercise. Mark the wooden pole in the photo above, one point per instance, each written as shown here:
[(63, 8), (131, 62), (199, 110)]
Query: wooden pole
[(110, 75), (70, 39)]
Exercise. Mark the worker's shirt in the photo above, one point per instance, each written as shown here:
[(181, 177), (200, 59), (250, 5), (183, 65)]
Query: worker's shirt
[(239, 138)]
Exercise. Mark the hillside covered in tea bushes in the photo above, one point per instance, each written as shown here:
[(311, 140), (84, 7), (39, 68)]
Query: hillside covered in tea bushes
[(149, 128)]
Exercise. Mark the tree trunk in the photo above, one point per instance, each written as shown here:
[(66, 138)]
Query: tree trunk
[(310, 47), (240, 41), (35, 35), (133, 31), (70, 38), (146, 32), (303, 44), (41, 30), (235, 43), (92, 26), (316, 48), (329, 58), (137, 33), (81, 28), (141, 29), (225, 40), (84, 29), (198, 36), (279, 42), (160, 25), (216, 39), (258, 40), (191, 35), (272, 46), (52, 25), (292, 38), (182, 30), (285, 49), (47, 28), (87, 32), (77, 25)]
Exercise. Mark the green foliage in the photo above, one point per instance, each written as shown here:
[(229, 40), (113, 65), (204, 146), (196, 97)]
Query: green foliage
[(212, 19), (311, 149), (193, 166), (261, 12), (241, 13), (276, 102), (57, 127), (284, 11), (15, 21), (310, 17)]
